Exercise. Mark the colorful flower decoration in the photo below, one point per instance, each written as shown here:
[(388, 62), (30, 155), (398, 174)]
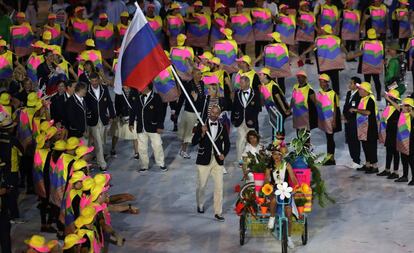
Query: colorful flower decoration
[(267, 189), (283, 190)]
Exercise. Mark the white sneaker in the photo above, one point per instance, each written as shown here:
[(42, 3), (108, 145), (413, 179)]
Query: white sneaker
[(355, 165), (271, 223), (224, 171), (291, 245), (184, 155)]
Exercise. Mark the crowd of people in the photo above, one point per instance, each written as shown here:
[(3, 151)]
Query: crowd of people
[(57, 108)]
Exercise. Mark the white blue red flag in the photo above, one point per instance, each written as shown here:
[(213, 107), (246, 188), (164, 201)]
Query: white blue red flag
[(141, 56)]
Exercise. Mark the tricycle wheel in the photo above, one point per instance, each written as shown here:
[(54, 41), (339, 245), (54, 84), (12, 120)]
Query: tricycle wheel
[(242, 228), (284, 240), (305, 232)]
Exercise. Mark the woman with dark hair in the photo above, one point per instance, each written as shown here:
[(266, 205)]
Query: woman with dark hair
[(88, 68), (253, 143)]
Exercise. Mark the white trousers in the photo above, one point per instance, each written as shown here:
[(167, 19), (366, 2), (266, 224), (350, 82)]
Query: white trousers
[(98, 135), (156, 144), (186, 125), (216, 171), (241, 139)]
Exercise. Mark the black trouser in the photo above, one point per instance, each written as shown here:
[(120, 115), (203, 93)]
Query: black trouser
[(26, 172), (281, 82), (13, 195), (354, 145), (370, 151), (407, 160), (5, 227), (330, 144), (377, 82), (350, 45), (44, 211), (302, 47), (334, 75), (243, 48), (403, 43), (392, 155), (258, 47), (54, 217), (198, 51)]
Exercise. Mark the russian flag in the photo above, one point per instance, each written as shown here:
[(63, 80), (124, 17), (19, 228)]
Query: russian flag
[(141, 56)]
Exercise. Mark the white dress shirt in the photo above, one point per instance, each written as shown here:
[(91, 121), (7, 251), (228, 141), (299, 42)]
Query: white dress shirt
[(96, 91), (245, 96), (213, 128), (79, 98)]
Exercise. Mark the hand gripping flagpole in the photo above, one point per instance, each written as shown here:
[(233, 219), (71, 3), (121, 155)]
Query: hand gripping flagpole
[(195, 110)]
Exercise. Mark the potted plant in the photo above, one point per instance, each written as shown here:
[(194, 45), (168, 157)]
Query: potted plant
[(300, 202), (301, 153), (257, 165)]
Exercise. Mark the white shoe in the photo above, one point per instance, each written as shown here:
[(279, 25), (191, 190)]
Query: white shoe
[(271, 223), (355, 165), (291, 245), (184, 155), (224, 171)]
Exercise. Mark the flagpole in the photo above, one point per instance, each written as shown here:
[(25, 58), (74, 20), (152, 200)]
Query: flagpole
[(194, 109)]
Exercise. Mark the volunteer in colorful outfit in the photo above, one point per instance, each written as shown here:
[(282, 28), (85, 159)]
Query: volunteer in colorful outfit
[(198, 28), (375, 17), (227, 50), (388, 129), (122, 27), (405, 140), (55, 30), (104, 34), (92, 54), (62, 64), (305, 29), (329, 116), (246, 69), (276, 58), (371, 60), (367, 128), (21, 36), (219, 20), (409, 49), (182, 57), (273, 96), (86, 229), (286, 25), (9, 59), (5, 105), (328, 14), (34, 60), (262, 26), (79, 30), (155, 22), (350, 25), (278, 172), (401, 23), (303, 104), (328, 53), (174, 24), (242, 26)]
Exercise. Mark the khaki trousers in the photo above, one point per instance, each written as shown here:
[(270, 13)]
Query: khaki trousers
[(98, 135), (241, 139), (186, 125), (216, 172), (156, 144)]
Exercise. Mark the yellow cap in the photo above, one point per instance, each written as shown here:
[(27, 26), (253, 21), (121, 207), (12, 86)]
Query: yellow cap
[(275, 36), (203, 68), (206, 55), (175, 5), (39, 44), (408, 101), (181, 39), (3, 43), (198, 3), (87, 184), (404, 2), (215, 60), (83, 150), (59, 145), (219, 6), (125, 14), (45, 125), (265, 71), (372, 34), (301, 73), (327, 29), (47, 35), (77, 176), (394, 94), (246, 59), (72, 143), (51, 16), (50, 132), (32, 99), (103, 16), (40, 140), (283, 6), (72, 240), (365, 86), (39, 244), (90, 43), (20, 15), (324, 77), (227, 32), (55, 49), (5, 98), (79, 164)]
